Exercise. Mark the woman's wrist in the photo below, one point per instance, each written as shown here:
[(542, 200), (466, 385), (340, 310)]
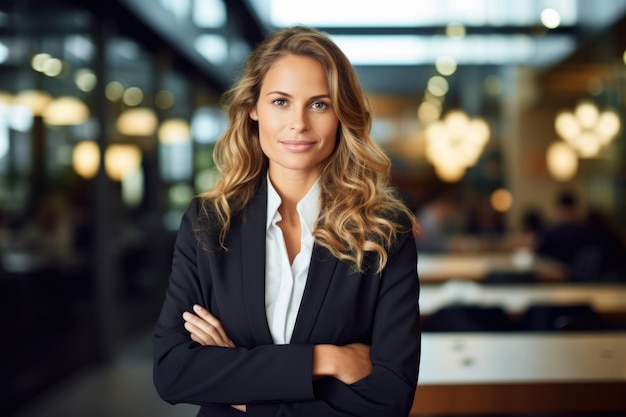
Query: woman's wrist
[(324, 360), (348, 363)]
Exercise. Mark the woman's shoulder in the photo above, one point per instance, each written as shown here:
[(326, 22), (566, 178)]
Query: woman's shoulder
[(196, 208), (201, 219), (403, 223)]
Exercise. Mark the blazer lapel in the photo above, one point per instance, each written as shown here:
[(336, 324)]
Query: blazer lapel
[(321, 271), (253, 263)]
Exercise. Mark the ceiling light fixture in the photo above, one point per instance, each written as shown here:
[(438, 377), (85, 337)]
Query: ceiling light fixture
[(586, 129)]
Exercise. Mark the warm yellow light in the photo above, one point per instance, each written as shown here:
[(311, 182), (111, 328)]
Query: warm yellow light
[(428, 112), (550, 18), (446, 65), (114, 90), (624, 57), (66, 111), (449, 172), (566, 125), (85, 79), (133, 187), (455, 30), (587, 144), (454, 144), (174, 131), (587, 114), (139, 121), (587, 129), (608, 126), (437, 139), (86, 159), (562, 161), (133, 96), (53, 67), (38, 61), (478, 132), (438, 86), (456, 122), (501, 200), (121, 160), (35, 100)]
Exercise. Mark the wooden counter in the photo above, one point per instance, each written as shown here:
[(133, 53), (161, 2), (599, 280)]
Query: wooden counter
[(465, 373)]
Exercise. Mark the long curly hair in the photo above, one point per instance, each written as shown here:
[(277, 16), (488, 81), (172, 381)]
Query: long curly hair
[(360, 212)]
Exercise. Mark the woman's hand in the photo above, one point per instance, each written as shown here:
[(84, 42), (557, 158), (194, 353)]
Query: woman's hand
[(205, 328), (349, 363)]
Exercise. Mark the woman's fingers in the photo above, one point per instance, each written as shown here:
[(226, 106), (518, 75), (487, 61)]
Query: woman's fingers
[(205, 328), (211, 320), (198, 335)]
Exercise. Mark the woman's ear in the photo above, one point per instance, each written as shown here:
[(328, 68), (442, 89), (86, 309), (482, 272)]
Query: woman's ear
[(253, 114)]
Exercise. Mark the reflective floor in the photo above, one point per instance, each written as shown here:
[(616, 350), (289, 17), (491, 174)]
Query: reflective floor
[(123, 388)]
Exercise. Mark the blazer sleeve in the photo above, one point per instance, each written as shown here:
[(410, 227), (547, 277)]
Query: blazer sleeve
[(276, 380)]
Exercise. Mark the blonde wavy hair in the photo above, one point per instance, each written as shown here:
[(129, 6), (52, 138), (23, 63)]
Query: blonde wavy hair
[(360, 212)]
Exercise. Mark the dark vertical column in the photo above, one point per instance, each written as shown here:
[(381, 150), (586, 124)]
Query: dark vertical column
[(38, 161), (103, 221)]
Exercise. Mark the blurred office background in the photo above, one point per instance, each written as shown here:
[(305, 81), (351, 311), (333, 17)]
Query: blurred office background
[(489, 109)]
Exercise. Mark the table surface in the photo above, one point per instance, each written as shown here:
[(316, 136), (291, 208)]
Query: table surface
[(476, 266), (515, 298), (484, 358)]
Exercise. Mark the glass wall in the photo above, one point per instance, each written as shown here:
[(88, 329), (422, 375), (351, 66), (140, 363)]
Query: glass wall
[(105, 134)]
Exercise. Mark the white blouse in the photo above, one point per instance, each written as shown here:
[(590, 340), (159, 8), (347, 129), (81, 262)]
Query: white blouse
[(284, 283)]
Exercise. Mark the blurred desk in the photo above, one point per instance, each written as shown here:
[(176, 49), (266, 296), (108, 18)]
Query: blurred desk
[(437, 268), (464, 373), (515, 298)]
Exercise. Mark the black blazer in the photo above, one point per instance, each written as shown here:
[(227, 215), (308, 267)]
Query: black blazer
[(339, 307)]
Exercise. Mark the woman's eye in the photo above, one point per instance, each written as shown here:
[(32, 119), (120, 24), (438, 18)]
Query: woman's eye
[(280, 102), (319, 105)]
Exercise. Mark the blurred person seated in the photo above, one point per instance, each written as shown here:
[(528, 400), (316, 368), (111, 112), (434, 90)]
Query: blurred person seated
[(438, 223), (605, 254), (532, 227), (587, 248), (566, 236)]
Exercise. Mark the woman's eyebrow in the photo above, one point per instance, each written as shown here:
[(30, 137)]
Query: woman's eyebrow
[(320, 96), (282, 93)]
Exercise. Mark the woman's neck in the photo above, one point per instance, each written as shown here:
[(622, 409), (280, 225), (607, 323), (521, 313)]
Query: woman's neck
[(291, 186)]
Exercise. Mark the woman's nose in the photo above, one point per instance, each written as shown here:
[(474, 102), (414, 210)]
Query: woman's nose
[(299, 121)]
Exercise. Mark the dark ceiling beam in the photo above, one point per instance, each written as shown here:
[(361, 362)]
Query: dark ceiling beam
[(249, 24)]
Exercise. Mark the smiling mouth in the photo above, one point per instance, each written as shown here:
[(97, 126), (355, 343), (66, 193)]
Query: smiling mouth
[(297, 145)]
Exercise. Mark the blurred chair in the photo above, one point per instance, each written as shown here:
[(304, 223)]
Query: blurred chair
[(468, 318), (509, 277), (561, 317)]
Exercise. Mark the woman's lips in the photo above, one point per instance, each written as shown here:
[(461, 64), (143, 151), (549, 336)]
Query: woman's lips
[(297, 145)]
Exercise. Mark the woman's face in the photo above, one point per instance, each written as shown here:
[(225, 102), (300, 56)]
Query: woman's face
[(297, 123)]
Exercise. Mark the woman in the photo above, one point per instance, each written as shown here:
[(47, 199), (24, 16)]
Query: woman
[(294, 289)]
